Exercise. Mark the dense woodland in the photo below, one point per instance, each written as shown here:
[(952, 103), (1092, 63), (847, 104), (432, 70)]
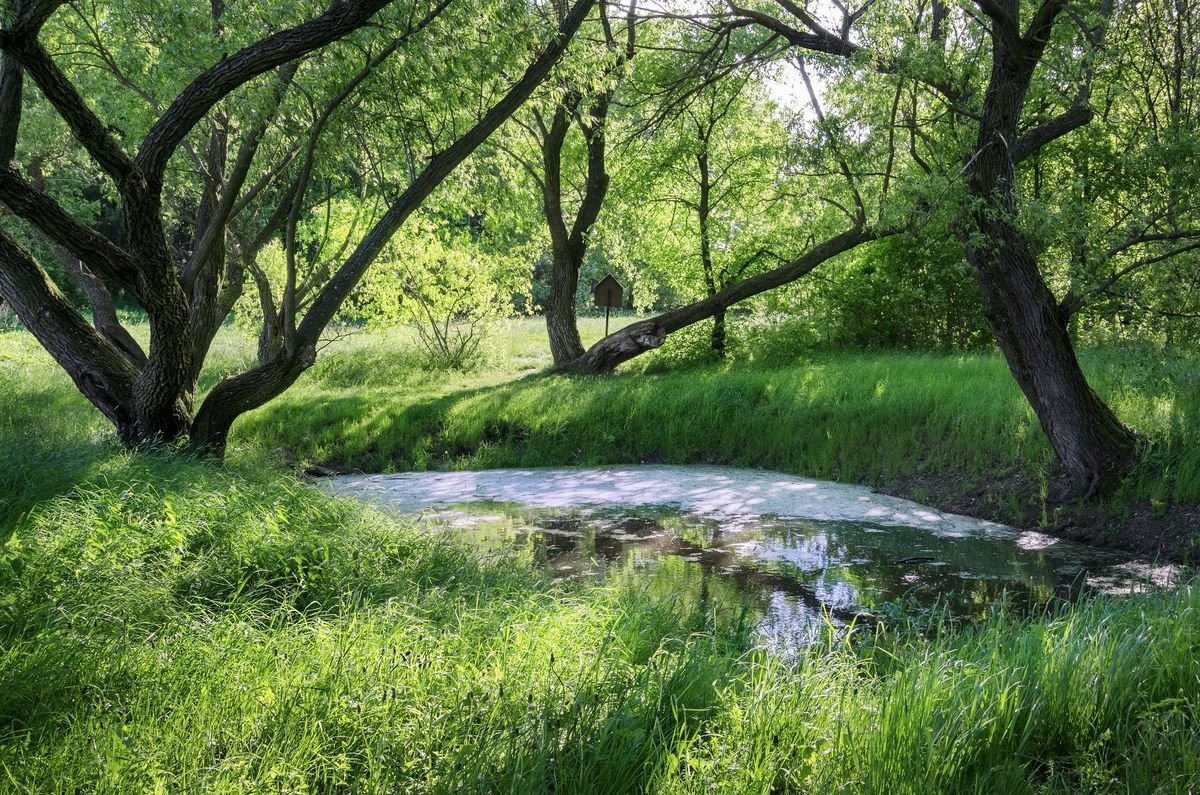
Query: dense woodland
[(947, 250), (896, 174)]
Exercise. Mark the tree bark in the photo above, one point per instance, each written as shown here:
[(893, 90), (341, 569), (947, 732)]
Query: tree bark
[(1094, 448), (296, 352), (703, 213), (568, 246), (718, 334), (100, 371), (562, 324)]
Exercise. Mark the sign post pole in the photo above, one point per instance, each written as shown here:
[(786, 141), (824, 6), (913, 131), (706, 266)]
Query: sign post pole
[(607, 293)]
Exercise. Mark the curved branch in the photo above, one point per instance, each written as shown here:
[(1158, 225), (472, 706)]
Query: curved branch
[(644, 335), (220, 80), (326, 305), (102, 256)]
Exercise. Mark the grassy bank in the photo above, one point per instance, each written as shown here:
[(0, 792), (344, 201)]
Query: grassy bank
[(166, 626), (169, 626), (949, 429)]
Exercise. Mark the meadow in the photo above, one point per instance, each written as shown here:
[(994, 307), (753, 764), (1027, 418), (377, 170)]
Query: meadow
[(171, 625)]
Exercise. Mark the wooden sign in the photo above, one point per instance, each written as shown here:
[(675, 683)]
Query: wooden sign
[(608, 292)]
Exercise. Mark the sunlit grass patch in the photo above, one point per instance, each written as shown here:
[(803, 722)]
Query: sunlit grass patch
[(170, 625)]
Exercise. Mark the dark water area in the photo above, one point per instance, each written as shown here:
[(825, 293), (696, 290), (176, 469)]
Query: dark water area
[(856, 557)]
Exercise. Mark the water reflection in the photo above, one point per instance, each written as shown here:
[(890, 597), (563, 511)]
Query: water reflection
[(796, 575), (797, 554)]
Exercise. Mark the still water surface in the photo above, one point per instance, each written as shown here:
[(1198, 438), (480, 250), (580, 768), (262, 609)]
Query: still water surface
[(800, 553)]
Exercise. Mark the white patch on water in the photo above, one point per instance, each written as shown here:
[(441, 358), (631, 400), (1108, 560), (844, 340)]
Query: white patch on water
[(734, 497), (743, 504)]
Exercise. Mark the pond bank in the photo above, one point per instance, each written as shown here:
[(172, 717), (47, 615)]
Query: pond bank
[(799, 552)]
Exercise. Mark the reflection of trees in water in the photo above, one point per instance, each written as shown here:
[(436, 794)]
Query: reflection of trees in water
[(815, 568)]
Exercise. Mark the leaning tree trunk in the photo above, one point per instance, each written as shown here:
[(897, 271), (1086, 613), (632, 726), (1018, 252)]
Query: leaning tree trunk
[(646, 335), (1094, 448), (1092, 445)]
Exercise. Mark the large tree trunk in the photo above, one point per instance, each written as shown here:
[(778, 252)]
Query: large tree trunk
[(561, 322), (1093, 446), (568, 244)]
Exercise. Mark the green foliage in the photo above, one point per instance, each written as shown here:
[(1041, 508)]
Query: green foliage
[(450, 289), (901, 293), (171, 625)]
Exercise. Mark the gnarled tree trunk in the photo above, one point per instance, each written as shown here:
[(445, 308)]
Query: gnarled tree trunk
[(1094, 448)]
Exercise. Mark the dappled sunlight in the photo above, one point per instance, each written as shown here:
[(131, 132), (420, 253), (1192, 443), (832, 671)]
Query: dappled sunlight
[(804, 555), (713, 492)]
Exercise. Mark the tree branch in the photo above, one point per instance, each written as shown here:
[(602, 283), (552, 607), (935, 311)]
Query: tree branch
[(220, 80), (440, 166), (101, 255)]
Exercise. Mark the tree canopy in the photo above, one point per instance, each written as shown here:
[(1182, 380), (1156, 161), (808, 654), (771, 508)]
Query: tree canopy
[(908, 173)]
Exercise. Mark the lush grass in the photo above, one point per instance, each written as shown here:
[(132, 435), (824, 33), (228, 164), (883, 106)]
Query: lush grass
[(876, 417), (166, 625), (172, 627)]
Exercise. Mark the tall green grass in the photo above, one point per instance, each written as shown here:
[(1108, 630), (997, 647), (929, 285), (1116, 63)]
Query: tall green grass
[(50, 437), (172, 627), (166, 625)]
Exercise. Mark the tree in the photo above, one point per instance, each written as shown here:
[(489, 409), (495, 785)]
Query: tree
[(722, 213), (581, 101), (152, 402), (1094, 448), (843, 200)]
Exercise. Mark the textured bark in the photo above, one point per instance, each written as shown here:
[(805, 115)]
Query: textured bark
[(104, 311), (645, 335), (149, 397), (703, 215), (562, 325), (99, 370), (568, 244), (241, 393), (1094, 448), (718, 334), (11, 81)]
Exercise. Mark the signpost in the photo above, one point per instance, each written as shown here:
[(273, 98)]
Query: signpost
[(607, 293)]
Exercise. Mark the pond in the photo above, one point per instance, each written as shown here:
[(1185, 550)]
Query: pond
[(800, 553)]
